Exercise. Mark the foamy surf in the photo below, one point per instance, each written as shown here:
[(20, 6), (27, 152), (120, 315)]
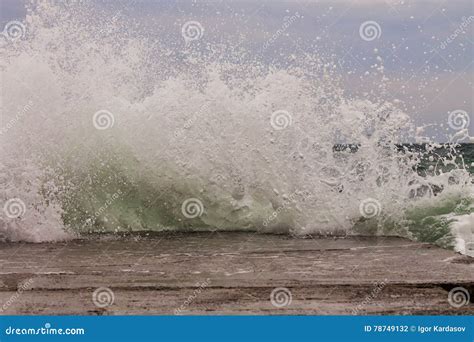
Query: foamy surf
[(116, 134)]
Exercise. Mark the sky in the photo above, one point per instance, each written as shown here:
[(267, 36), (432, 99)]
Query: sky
[(426, 47)]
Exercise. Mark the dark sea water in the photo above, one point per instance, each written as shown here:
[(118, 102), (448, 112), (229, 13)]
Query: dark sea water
[(463, 155)]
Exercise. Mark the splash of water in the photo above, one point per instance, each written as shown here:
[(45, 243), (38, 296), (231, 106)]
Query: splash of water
[(109, 131)]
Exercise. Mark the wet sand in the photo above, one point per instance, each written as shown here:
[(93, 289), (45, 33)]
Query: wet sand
[(232, 273)]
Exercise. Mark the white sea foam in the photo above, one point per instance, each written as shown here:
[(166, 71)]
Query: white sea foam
[(463, 229)]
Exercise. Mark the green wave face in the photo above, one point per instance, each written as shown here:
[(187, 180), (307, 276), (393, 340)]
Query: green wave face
[(117, 195)]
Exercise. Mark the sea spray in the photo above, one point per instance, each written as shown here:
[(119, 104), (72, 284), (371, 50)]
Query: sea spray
[(112, 109)]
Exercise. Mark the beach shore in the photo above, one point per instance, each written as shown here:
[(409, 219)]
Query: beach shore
[(232, 273)]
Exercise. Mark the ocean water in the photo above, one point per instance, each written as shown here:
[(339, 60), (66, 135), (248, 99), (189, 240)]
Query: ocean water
[(107, 128)]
